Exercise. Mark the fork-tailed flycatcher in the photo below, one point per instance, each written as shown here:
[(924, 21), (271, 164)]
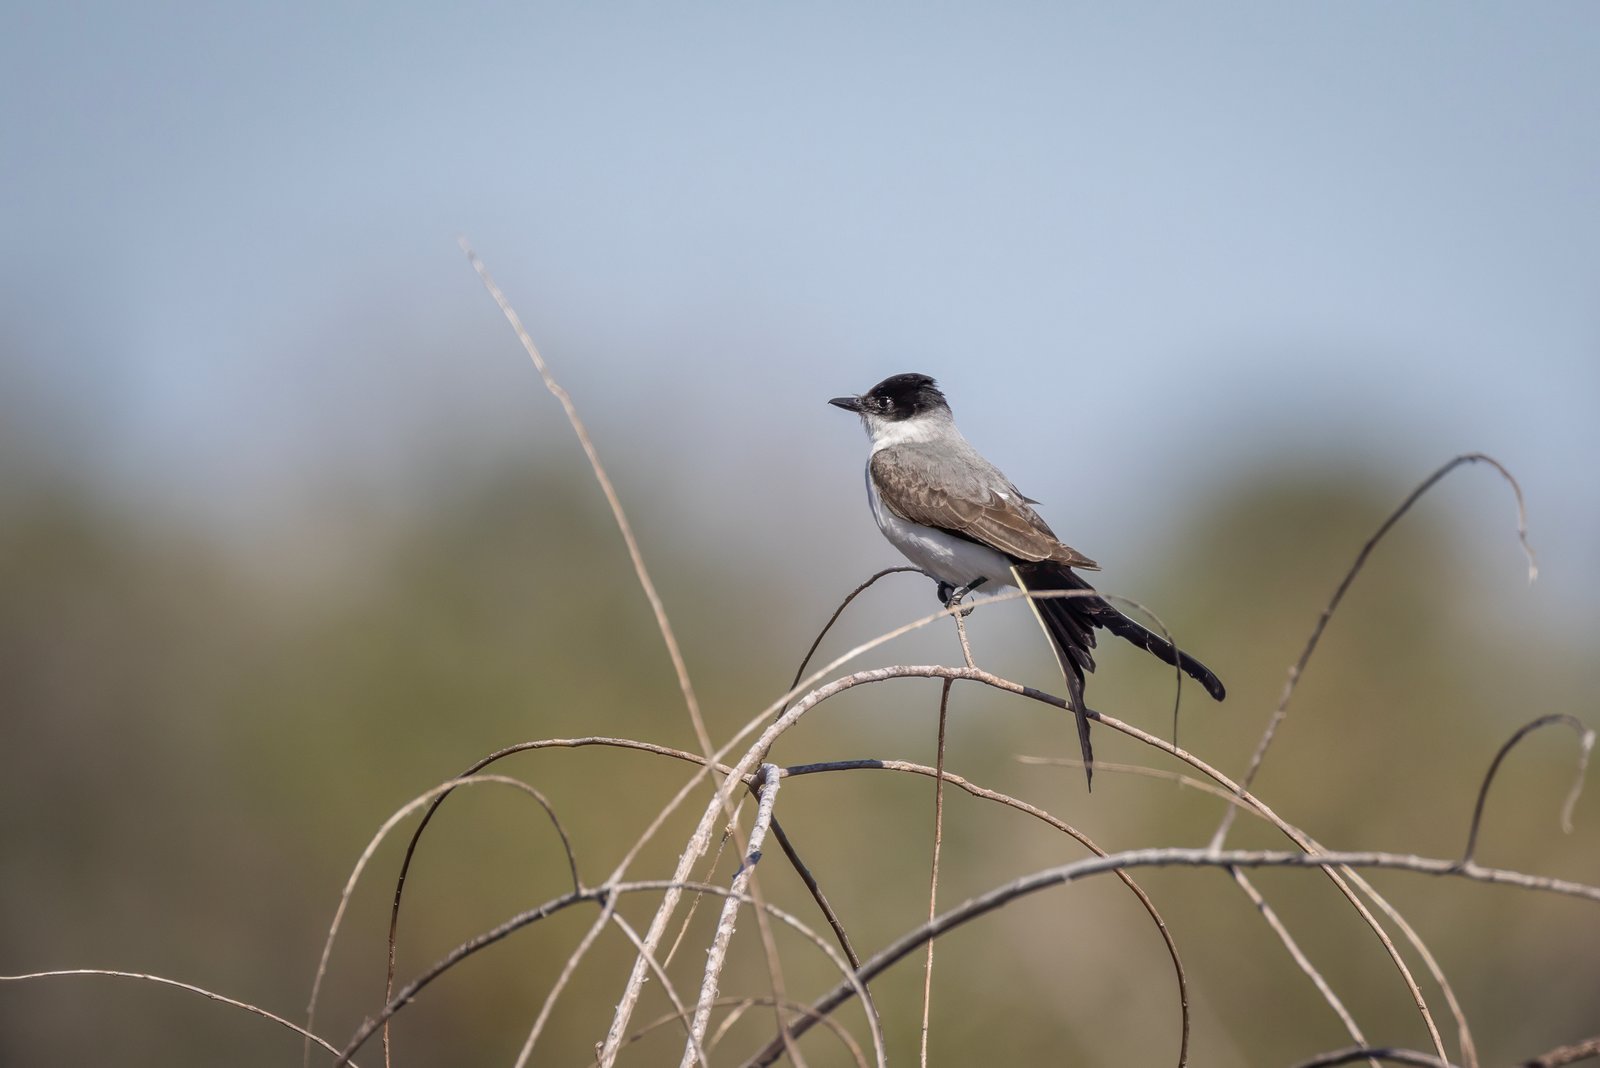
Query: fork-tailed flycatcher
[(958, 518)]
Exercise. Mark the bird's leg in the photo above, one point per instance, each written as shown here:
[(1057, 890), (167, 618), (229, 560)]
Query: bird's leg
[(951, 595)]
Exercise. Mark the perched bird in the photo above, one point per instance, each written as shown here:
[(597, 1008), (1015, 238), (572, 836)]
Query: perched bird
[(958, 518)]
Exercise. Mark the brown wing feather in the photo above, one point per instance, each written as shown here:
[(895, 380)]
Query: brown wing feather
[(985, 517)]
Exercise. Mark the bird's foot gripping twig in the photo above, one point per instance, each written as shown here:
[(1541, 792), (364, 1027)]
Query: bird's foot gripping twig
[(951, 595)]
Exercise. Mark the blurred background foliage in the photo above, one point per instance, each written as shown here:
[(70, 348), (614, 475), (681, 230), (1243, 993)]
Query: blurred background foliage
[(289, 531)]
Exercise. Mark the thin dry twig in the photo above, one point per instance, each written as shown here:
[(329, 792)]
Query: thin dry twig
[(938, 842), (662, 623), (576, 957), (695, 1053), (1586, 745), (160, 980), (1469, 1051), (1392, 1054), (816, 892), (1270, 915), (837, 612), (1561, 1055), (767, 789), (1299, 667), (711, 869)]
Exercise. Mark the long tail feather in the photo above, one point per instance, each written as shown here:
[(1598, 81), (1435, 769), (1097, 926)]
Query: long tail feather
[(1070, 622)]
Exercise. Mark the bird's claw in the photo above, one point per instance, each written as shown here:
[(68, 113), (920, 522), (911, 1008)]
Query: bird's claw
[(950, 596)]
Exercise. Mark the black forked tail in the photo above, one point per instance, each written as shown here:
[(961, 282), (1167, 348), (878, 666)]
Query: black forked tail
[(1070, 623)]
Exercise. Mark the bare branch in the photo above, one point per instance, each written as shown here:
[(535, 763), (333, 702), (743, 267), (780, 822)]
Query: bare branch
[(1586, 745), (739, 1006), (1391, 1054), (837, 612), (1581, 1051), (190, 987), (938, 842), (816, 892), (769, 781), (1299, 667), (695, 1053), (608, 907), (1269, 914)]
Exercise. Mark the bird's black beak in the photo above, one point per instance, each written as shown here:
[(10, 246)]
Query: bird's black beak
[(849, 404)]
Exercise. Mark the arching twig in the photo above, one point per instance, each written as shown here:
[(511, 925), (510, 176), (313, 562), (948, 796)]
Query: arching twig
[(1562, 1055), (160, 980), (1299, 667), (938, 842), (1270, 915), (1585, 744), (837, 612), (1392, 1054), (432, 799)]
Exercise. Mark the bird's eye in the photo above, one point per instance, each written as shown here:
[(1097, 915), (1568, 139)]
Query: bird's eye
[(884, 404)]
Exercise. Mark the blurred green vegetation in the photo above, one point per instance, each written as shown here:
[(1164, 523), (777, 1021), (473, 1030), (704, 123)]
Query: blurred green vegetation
[(197, 747)]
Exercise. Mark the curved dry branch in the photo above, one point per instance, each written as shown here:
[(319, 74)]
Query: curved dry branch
[(1392, 1054), (1270, 915), (1586, 745), (812, 885), (938, 845), (1586, 1050), (1003, 895), (663, 624), (160, 980), (1299, 667), (837, 612)]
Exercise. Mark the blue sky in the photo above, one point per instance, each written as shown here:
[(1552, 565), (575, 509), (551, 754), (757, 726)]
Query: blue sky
[(1140, 245)]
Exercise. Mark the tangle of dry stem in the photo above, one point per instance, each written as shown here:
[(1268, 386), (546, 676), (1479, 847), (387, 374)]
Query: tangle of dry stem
[(1169, 857)]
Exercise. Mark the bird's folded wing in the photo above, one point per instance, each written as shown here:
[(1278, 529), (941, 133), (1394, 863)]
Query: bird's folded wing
[(979, 515)]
